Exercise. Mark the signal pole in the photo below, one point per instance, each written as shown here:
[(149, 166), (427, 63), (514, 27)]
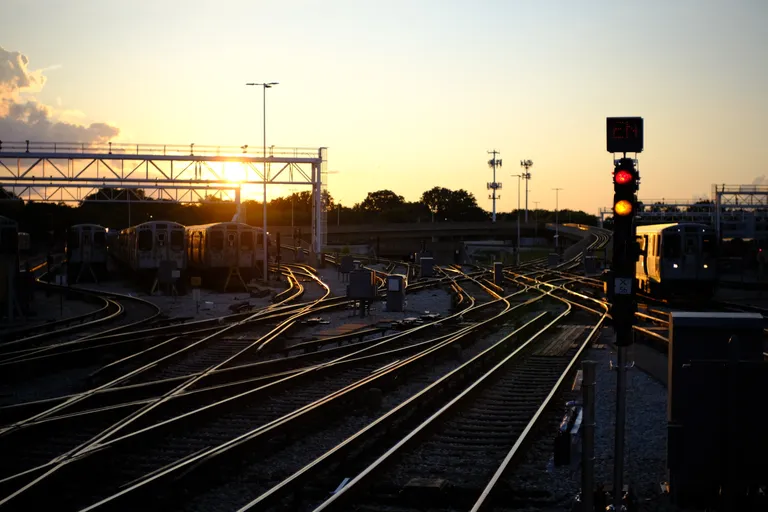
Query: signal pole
[(624, 135), (526, 164), (494, 185)]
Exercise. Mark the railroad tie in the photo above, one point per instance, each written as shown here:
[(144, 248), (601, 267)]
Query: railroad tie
[(562, 341)]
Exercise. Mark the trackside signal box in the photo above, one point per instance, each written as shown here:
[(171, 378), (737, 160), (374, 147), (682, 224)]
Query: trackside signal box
[(427, 267), (498, 273), (362, 284), (396, 285)]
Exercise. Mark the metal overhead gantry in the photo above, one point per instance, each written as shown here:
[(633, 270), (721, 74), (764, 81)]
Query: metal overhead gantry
[(735, 211), (71, 172)]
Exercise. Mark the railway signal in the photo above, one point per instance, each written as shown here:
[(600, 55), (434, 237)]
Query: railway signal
[(626, 182), (624, 134)]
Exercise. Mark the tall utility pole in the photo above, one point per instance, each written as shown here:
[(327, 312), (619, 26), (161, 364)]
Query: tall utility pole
[(526, 164), (494, 185), (557, 223), (265, 86), (518, 176)]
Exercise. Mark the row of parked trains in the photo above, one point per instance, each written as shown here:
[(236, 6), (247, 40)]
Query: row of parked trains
[(146, 247)]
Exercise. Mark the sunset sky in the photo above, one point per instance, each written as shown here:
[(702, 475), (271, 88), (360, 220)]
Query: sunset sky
[(408, 95)]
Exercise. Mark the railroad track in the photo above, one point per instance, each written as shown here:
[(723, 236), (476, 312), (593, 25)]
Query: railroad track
[(89, 450), (464, 431), (230, 421)]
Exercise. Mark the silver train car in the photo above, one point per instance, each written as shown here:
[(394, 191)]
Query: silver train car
[(678, 259), (86, 251), (221, 246), (142, 247)]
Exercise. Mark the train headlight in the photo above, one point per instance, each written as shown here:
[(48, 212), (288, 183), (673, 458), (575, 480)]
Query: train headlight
[(674, 265), (706, 266)]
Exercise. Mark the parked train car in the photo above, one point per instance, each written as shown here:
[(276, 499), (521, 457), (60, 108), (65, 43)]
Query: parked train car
[(677, 259), (216, 248), (86, 251), (9, 237), (141, 248), (9, 261)]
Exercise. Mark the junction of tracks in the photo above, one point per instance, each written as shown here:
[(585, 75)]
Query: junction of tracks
[(294, 402)]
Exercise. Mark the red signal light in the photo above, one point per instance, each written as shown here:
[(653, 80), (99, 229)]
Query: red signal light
[(622, 177)]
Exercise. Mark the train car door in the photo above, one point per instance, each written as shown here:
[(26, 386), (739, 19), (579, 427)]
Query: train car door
[(246, 248), (691, 253), (231, 247)]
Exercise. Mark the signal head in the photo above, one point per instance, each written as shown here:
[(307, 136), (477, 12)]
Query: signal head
[(623, 208), (623, 177)]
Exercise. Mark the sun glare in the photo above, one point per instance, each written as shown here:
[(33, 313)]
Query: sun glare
[(235, 172)]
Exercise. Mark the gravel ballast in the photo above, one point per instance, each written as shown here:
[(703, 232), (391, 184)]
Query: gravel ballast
[(645, 437)]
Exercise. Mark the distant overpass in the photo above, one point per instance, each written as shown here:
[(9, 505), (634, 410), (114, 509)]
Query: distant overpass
[(400, 239)]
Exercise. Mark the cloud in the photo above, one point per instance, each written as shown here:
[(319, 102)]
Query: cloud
[(24, 118), (760, 180)]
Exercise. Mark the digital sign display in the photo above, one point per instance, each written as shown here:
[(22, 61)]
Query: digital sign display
[(625, 134)]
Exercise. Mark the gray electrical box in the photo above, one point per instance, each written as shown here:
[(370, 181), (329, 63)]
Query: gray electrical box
[(590, 265), (396, 284), (347, 264), (362, 285), (498, 273), (553, 259), (716, 383), (427, 267)]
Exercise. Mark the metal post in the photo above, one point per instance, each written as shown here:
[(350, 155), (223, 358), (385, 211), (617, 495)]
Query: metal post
[(293, 233), (518, 216), (518, 176), (588, 440), (557, 222), (264, 170), (621, 399), (264, 87)]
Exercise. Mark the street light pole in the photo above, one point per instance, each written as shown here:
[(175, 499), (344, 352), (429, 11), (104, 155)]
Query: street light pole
[(526, 164), (265, 86), (518, 176), (557, 224)]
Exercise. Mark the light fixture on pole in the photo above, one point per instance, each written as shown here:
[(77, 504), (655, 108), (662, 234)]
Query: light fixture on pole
[(557, 225), (526, 164), (494, 185), (265, 86), (518, 176)]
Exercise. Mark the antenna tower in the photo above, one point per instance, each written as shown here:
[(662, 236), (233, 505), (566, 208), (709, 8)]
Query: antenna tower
[(494, 185)]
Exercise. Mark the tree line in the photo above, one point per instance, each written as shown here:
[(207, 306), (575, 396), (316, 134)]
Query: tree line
[(438, 204)]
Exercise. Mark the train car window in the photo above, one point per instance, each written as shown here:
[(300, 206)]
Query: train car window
[(177, 240), (259, 239), (217, 241), (161, 239), (246, 240), (99, 238), (708, 245), (231, 239), (672, 247), (145, 240), (73, 240), (656, 240)]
